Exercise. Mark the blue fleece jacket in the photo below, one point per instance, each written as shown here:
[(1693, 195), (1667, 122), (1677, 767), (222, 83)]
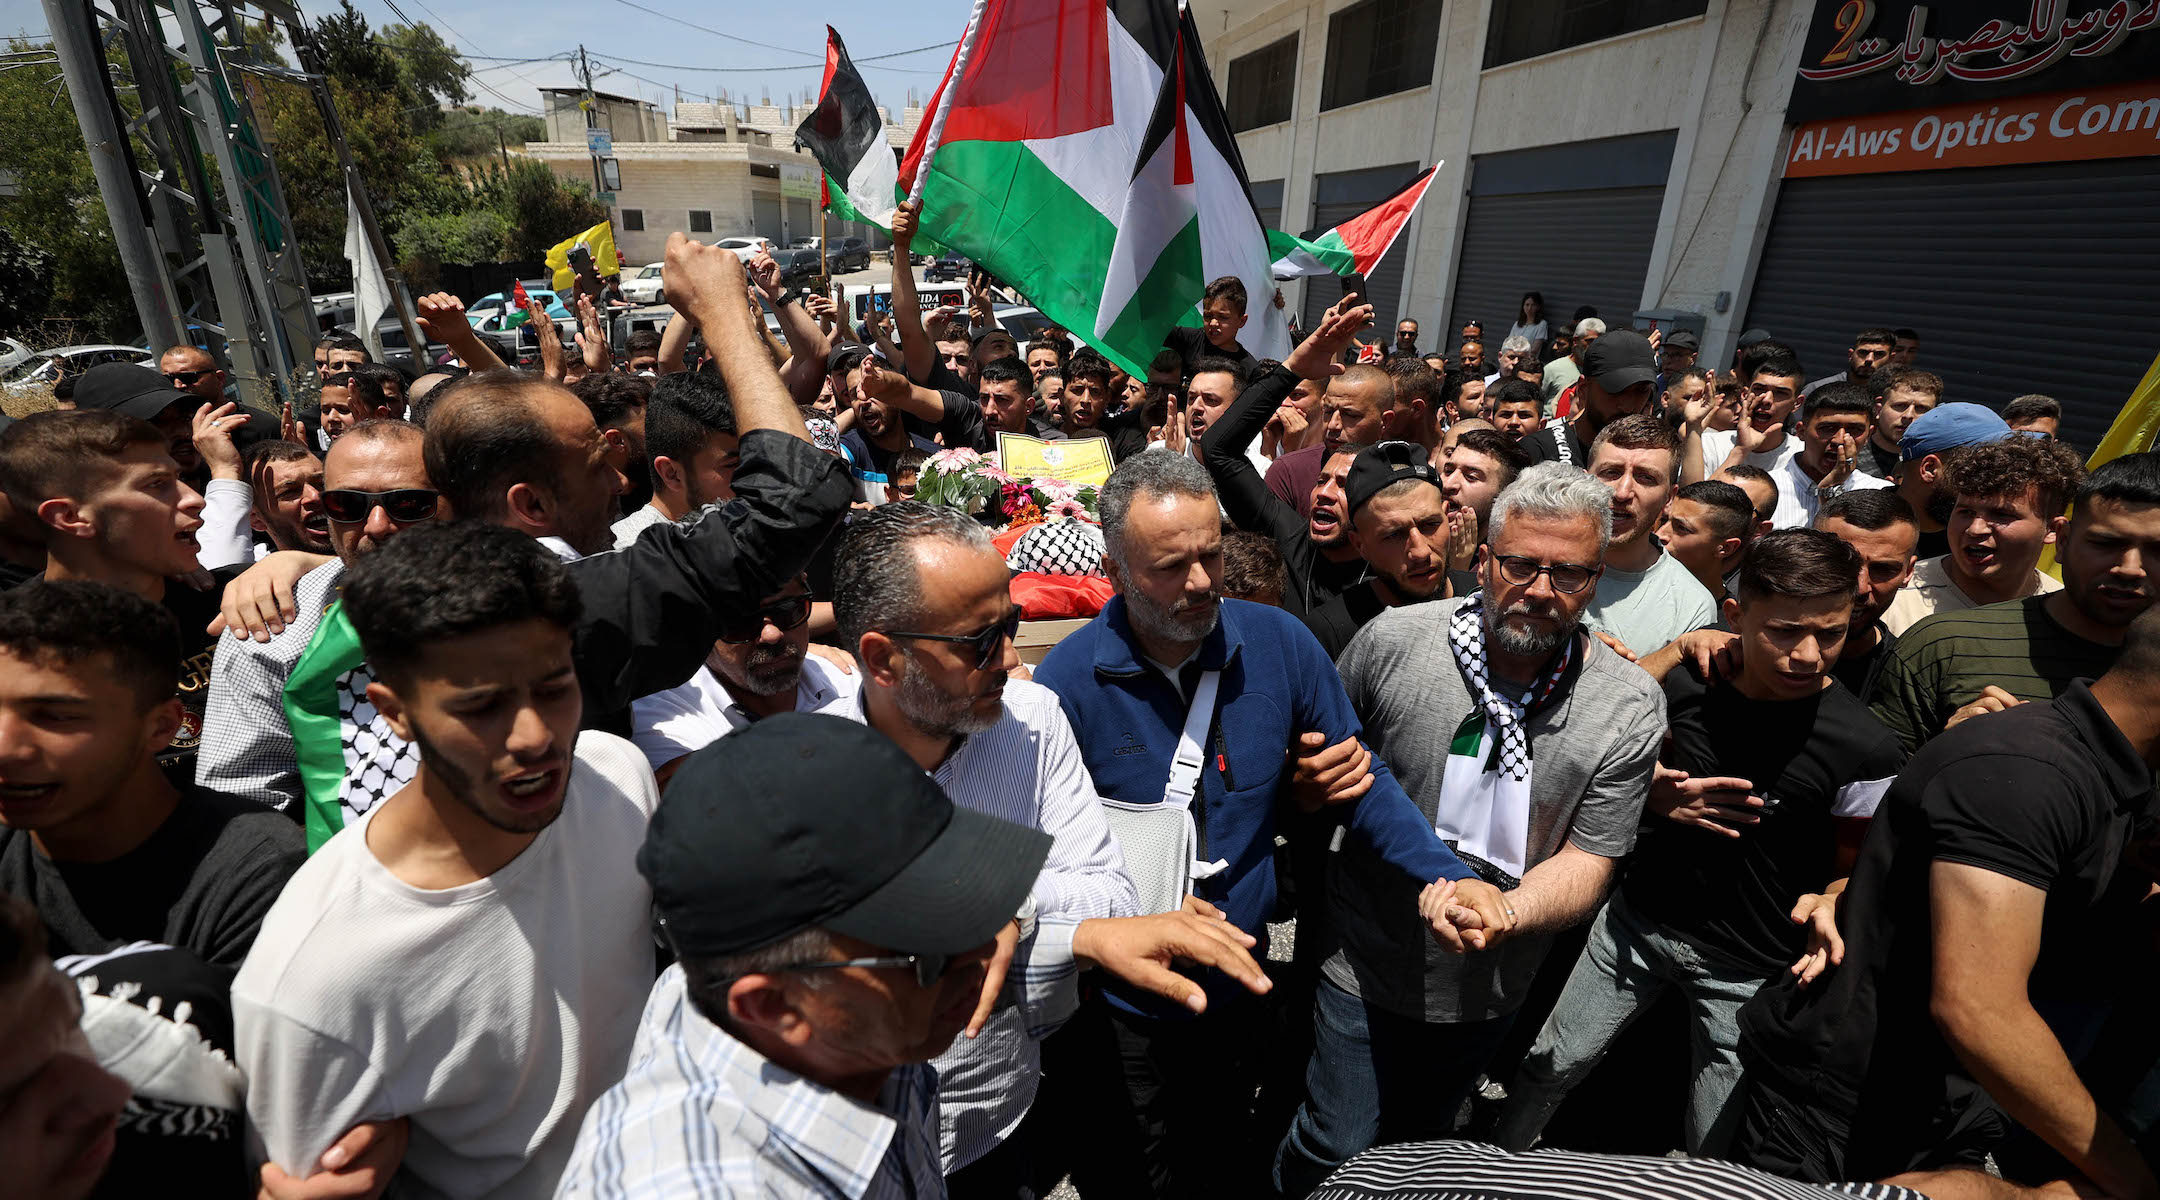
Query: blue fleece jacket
[(1276, 684)]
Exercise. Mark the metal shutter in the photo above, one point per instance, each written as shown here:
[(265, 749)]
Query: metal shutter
[(2019, 279), (801, 221), (1589, 247), (765, 216)]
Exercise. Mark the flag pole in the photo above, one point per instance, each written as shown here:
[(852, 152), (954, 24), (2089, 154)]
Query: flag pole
[(952, 84)]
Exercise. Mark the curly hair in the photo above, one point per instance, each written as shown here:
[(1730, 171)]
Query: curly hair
[(2014, 465)]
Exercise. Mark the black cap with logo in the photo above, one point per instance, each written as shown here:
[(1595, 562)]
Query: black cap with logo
[(1377, 468), (804, 820)]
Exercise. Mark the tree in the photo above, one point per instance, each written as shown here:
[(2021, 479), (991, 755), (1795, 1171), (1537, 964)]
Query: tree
[(57, 214)]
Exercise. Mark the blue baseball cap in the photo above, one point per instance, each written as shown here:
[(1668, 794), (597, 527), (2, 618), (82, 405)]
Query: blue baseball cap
[(1949, 426)]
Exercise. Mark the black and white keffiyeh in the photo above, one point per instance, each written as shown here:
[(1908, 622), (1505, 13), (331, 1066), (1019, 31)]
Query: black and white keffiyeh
[(1484, 810)]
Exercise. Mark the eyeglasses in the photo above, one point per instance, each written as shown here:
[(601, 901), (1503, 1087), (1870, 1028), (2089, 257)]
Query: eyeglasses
[(786, 613), (929, 968), (185, 378), (1567, 578), (349, 507), (987, 643)]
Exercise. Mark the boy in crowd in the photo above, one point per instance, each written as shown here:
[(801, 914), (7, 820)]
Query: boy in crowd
[(1759, 437), (1707, 901), (1645, 597), (2038, 415), (1902, 396), (1878, 525), (1833, 424), (2007, 509), (1706, 528), (1512, 406)]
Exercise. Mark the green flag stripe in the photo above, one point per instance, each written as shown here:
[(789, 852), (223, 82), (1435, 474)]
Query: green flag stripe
[(1326, 252), (311, 708), (1164, 294), (999, 204)]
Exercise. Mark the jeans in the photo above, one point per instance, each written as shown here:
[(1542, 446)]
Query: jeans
[(1625, 967), (1376, 1078)]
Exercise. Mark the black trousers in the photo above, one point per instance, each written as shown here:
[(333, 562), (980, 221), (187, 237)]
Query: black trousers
[(1135, 1107)]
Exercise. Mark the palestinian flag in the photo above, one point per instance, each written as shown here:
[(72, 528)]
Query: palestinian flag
[(517, 313), (1083, 157), (312, 710), (847, 137), (1356, 245)]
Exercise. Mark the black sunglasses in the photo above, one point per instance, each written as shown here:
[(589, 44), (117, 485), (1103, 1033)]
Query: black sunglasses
[(185, 378), (929, 968), (338, 368), (781, 614), (347, 506), (987, 644)]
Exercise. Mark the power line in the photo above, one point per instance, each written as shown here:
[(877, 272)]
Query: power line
[(716, 33), (810, 66)]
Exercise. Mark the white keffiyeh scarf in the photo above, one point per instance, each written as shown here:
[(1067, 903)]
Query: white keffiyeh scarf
[(1484, 812)]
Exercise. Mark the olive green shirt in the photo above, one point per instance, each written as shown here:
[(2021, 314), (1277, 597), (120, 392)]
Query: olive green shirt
[(1944, 661)]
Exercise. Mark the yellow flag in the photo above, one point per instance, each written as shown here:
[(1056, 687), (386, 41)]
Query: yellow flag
[(600, 239)]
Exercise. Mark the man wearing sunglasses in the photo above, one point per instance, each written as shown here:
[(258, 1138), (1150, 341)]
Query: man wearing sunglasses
[(785, 1053), (192, 370), (759, 668), (374, 486), (923, 603), (1529, 746)]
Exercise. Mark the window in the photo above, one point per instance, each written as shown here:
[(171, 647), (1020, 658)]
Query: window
[(1523, 29), (765, 170), (633, 220), (701, 220), (1262, 84), (1378, 48)]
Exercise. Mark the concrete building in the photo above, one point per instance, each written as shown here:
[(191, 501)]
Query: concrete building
[(1732, 163), (716, 170)]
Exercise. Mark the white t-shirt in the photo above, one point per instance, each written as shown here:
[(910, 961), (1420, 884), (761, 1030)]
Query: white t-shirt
[(1796, 500), (493, 1014), (1536, 333), (1647, 609), (1717, 446), (690, 716), (629, 527)]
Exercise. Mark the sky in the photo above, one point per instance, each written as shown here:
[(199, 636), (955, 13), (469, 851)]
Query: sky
[(616, 31)]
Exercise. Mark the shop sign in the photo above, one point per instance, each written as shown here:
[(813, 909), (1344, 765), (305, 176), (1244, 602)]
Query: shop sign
[(1861, 56), (2108, 122)]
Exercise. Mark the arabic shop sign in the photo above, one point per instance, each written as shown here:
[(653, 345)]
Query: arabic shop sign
[(2117, 122), (1866, 57)]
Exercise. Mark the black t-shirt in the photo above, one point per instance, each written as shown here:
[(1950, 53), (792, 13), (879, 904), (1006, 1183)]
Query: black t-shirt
[(194, 609), (201, 882), (1858, 671), (1877, 461), (1932, 545), (1337, 621), (1810, 760), (1192, 346), (1543, 445), (2050, 794)]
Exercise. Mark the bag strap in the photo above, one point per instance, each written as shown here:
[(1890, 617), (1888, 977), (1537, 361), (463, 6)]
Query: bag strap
[(1184, 779)]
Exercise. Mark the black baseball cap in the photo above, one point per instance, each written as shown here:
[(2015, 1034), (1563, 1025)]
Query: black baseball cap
[(1378, 467), (128, 389), (1619, 360), (1682, 339), (1749, 337), (804, 820), (843, 357)]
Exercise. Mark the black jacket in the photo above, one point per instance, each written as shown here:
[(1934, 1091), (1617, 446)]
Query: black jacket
[(653, 609)]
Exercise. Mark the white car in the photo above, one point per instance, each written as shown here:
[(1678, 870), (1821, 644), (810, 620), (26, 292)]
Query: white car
[(644, 286), (44, 367), (746, 248), (12, 354)]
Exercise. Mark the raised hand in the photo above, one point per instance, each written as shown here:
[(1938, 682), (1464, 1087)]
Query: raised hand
[(553, 362), (696, 276), (288, 427), (903, 231), (213, 430), (764, 272), (441, 317), (590, 339), (1319, 356)]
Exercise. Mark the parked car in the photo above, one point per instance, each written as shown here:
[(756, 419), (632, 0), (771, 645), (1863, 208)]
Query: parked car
[(643, 287), (800, 264), (45, 367), (488, 311), (949, 265), (848, 254), (746, 248), (12, 354), (805, 243)]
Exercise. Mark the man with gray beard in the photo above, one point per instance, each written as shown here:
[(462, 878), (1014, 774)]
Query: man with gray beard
[(758, 667), (1529, 745), (923, 603)]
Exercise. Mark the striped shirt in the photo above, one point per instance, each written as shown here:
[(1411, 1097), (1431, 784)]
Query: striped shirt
[(1942, 663), (1471, 1171), (701, 1114), (1025, 769)]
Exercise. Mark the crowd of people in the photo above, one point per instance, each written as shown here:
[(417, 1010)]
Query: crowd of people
[(1557, 768)]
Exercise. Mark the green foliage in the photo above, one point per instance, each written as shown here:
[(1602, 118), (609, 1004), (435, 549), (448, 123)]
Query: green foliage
[(430, 168)]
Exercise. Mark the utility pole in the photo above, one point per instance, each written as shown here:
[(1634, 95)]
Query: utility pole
[(592, 114), (502, 144)]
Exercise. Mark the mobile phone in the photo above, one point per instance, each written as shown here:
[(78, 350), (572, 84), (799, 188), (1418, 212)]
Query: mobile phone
[(1353, 284)]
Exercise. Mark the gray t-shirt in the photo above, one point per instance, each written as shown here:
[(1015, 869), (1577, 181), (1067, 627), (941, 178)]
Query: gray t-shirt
[(1592, 751), (1646, 610)]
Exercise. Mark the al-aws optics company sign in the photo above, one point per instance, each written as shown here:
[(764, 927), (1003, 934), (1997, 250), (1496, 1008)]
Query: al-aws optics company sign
[(2112, 122)]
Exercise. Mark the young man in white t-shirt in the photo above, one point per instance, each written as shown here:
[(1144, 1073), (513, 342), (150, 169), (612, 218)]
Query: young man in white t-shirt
[(2010, 499), (1645, 597), (464, 965), (1759, 439)]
